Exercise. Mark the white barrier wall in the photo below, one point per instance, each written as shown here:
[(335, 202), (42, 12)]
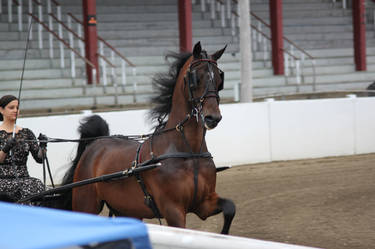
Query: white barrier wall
[(248, 133)]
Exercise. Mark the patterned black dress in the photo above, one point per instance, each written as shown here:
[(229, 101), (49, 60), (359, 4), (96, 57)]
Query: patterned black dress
[(15, 180)]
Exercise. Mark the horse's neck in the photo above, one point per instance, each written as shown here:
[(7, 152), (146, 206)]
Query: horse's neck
[(191, 137), (193, 133)]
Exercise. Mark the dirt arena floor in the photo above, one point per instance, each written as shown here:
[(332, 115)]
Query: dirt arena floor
[(327, 203)]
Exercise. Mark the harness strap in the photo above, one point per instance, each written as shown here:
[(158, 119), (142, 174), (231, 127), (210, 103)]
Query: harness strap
[(149, 200)]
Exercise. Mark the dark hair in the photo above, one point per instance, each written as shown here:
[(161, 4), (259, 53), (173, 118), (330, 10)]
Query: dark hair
[(163, 84), (4, 101)]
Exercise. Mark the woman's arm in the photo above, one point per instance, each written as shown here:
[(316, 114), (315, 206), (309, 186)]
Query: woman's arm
[(35, 150), (6, 149)]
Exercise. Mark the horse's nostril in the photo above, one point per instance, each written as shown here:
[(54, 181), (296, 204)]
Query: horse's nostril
[(212, 121)]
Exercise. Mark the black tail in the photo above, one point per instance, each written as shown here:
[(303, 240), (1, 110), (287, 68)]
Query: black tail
[(90, 127)]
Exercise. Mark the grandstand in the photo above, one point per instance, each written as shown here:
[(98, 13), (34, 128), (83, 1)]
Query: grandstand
[(144, 31)]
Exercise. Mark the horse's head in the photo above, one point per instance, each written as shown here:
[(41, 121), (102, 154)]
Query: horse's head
[(203, 81)]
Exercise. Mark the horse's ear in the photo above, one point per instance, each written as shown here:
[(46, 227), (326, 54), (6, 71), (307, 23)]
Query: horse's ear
[(197, 50), (218, 53)]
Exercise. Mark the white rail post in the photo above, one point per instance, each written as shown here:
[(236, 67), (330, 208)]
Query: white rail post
[(254, 40), (298, 72), (50, 37), (286, 64), (113, 75), (123, 72), (218, 6), (134, 86), (236, 91), (1, 7), (292, 61), (62, 56), (238, 11), (264, 50), (313, 63), (229, 9), (40, 28), (302, 56), (19, 14), (203, 6), (103, 63), (72, 55), (233, 25), (80, 42), (222, 16), (213, 11), (259, 35), (30, 19), (344, 4), (10, 17)]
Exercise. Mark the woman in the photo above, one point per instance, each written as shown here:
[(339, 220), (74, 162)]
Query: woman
[(15, 182)]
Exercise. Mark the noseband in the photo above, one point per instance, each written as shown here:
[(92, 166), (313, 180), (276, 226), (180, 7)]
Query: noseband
[(210, 90)]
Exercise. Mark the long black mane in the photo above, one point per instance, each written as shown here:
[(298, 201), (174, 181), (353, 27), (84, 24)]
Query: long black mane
[(163, 84)]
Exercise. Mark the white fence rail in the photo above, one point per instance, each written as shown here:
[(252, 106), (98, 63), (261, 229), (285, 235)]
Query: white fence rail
[(256, 132), (163, 237)]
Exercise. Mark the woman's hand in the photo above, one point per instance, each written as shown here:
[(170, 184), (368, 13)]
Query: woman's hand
[(43, 141), (11, 142)]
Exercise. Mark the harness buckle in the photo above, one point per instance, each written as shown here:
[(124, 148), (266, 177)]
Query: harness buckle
[(134, 164), (179, 128)]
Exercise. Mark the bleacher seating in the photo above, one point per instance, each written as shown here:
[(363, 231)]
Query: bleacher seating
[(145, 31)]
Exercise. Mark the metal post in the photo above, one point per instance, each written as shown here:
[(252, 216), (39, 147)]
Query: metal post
[(50, 26), (359, 34), (72, 55), (19, 13), (298, 72), (229, 9), (245, 48), (40, 28), (222, 15), (81, 45), (203, 6), (233, 25), (123, 72), (91, 38), (212, 9), (62, 56), (30, 19), (286, 64), (275, 7), (185, 25), (103, 64), (113, 75), (10, 17)]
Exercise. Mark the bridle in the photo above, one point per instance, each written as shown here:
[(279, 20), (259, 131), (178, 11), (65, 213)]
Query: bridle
[(210, 90)]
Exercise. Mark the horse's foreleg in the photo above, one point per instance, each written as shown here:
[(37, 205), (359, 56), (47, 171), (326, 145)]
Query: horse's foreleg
[(229, 210), (84, 199), (174, 216)]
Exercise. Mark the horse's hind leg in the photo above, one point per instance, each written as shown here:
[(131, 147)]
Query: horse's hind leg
[(229, 210), (215, 205)]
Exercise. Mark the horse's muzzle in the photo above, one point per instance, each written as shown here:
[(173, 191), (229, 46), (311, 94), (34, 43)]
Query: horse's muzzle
[(211, 121)]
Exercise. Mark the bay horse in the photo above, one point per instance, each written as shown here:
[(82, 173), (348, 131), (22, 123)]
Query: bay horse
[(187, 104)]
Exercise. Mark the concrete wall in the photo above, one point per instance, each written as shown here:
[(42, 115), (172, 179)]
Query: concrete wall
[(248, 133)]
